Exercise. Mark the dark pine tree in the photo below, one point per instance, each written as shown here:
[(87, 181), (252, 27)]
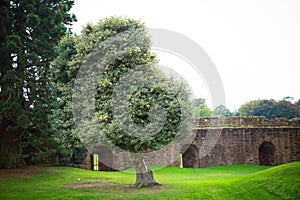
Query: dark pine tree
[(29, 32)]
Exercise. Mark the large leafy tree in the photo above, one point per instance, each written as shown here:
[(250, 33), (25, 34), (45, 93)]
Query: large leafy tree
[(259, 108), (29, 32), (286, 109), (129, 92)]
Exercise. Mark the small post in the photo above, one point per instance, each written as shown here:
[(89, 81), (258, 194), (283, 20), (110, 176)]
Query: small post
[(181, 164), (96, 167)]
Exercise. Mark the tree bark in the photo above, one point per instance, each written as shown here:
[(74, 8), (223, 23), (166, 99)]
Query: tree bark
[(9, 151), (144, 176)]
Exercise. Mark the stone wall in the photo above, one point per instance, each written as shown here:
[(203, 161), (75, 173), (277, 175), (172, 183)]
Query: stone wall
[(242, 140), (242, 146)]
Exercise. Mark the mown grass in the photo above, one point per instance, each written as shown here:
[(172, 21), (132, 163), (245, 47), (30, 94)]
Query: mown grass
[(224, 182)]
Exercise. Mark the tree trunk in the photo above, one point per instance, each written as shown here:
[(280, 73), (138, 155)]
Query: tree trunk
[(9, 148), (144, 176)]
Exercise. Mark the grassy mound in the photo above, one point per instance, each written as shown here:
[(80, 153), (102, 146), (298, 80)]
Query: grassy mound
[(223, 182), (281, 181)]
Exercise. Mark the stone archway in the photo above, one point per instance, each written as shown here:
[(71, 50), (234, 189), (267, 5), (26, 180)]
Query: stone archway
[(105, 158), (267, 154), (190, 156)]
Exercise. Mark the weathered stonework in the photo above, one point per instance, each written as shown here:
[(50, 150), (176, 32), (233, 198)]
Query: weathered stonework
[(242, 146), (242, 140)]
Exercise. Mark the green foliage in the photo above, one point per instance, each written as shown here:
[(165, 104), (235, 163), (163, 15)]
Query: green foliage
[(204, 111), (223, 111), (201, 108), (62, 78), (271, 109), (141, 103), (29, 32), (198, 101), (223, 182)]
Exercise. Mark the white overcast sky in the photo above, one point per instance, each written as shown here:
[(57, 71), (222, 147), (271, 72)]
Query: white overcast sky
[(255, 44)]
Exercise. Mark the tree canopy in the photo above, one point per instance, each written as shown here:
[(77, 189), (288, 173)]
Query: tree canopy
[(202, 110), (223, 111)]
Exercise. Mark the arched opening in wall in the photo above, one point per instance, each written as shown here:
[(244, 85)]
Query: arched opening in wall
[(267, 154), (105, 158), (190, 156)]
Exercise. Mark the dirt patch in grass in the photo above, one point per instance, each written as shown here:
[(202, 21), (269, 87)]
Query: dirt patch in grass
[(111, 188), (89, 185), (26, 172)]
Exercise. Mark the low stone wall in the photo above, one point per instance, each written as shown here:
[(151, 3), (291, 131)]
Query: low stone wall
[(245, 122)]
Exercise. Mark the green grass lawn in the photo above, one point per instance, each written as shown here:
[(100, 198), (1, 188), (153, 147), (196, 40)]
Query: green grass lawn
[(224, 182)]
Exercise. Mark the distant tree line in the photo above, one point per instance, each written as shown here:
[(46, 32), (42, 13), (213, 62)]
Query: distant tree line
[(270, 109), (202, 110)]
